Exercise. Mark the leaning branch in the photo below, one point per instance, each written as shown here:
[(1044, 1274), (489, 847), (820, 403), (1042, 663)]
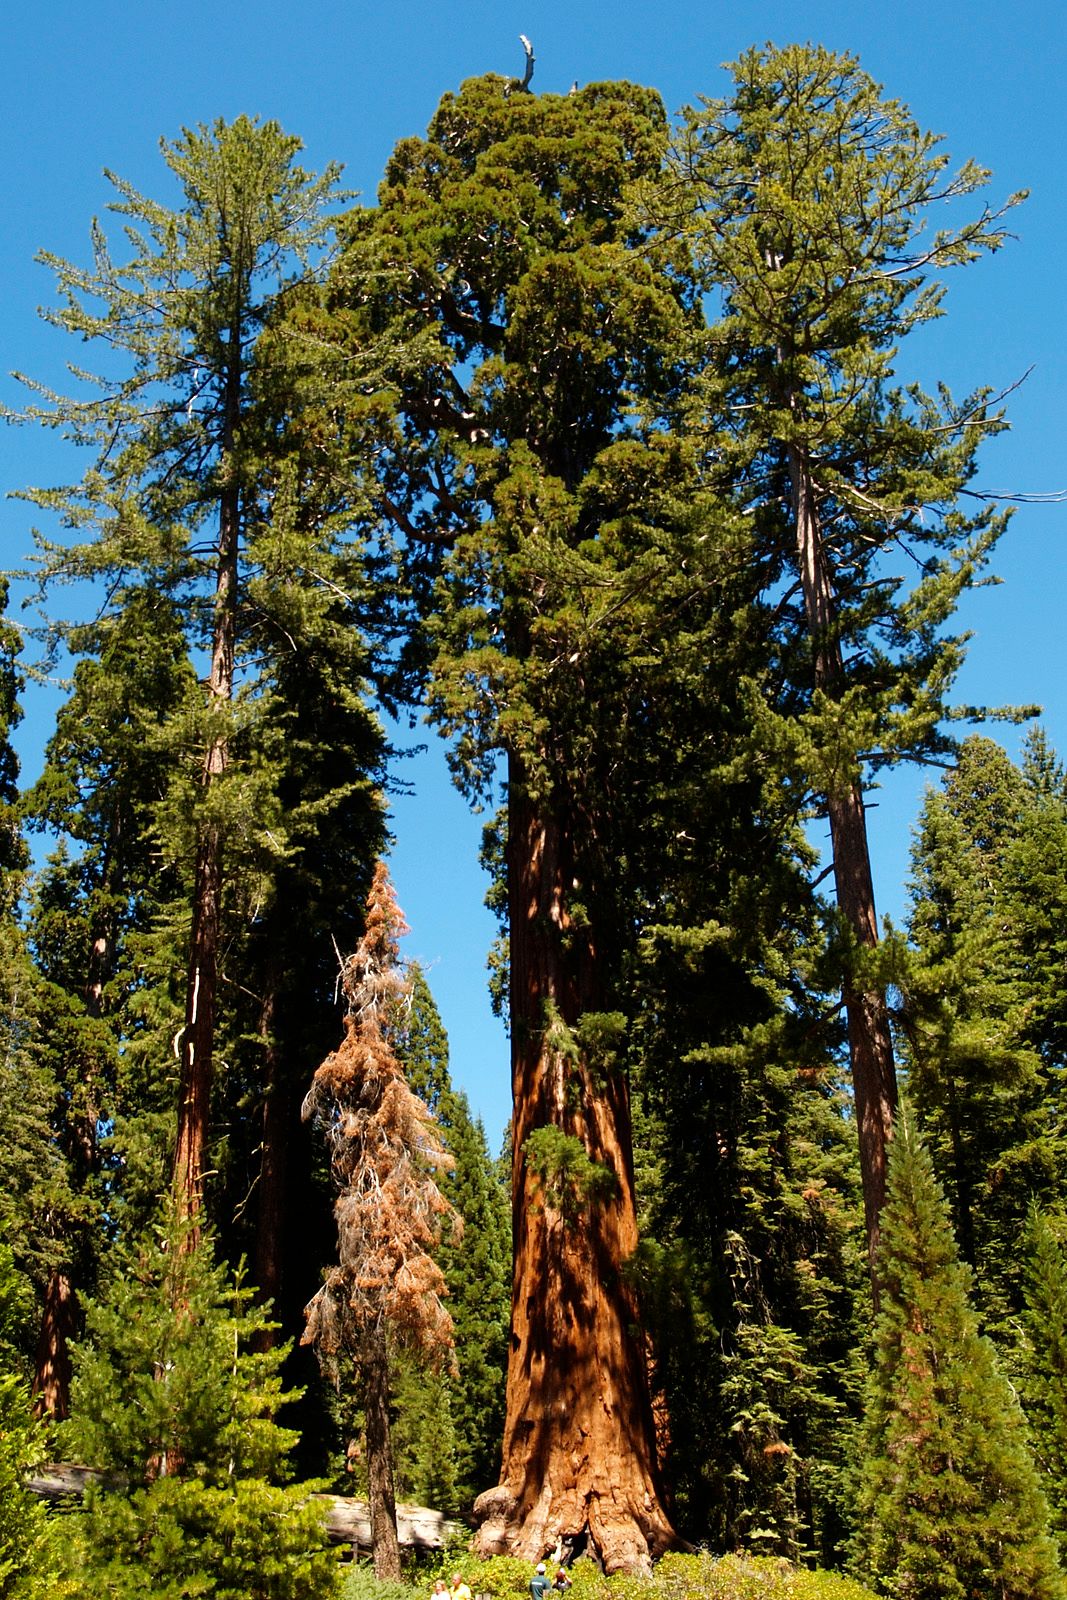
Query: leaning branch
[(528, 74)]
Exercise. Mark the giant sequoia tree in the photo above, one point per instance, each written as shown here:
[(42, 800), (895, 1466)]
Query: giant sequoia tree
[(503, 231), (805, 195)]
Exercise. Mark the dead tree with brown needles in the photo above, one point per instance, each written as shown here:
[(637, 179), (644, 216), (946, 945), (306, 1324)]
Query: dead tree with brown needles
[(385, 1150)]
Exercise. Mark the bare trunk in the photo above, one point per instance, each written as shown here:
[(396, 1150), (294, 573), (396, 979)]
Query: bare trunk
[(870, 1042), (52, 1368), (273, 1176), (198, 1035), (381, 1489), (579, 1461)]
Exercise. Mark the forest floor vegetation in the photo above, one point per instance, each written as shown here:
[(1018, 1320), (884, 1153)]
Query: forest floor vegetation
[(697, 1576)]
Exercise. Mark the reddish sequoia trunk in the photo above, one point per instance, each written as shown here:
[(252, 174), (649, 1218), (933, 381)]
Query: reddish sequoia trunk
[(870, 1042), (198, 1035), (579, 1460), (52, 1369)]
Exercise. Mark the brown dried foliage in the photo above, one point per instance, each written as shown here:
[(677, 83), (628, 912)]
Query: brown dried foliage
[(385, 1150)]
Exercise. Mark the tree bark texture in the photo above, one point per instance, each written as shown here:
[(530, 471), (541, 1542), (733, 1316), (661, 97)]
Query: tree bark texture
[(198, 1036), (52, 1364), (870, 1041), (579, 1459), (374, 1367)]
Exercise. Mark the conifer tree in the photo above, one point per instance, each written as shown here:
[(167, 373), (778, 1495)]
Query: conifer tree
[(36, 1198), (1044, 1360), (949, 1502), (463, 1412), (171, 1393), (29, 1545), (984, 990), (103, 892), (222, 481), (521, 471), (385, 1153), (804, 195)]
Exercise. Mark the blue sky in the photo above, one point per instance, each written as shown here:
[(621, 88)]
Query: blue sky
[(96, 84)]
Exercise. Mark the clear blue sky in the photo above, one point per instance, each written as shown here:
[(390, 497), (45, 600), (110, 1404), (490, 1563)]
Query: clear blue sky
[(92, 85)]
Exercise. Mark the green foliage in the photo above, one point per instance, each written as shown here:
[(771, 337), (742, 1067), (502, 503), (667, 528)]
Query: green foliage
[(450, 1424), (813, 241), (424, 1435), (983, 998), (174, 1390), (1043, 1359), (949, 1501), (225, 510), (750, 1275), (359, 1583), (699, 1576), (171, 1376), (569, 1180), (29, 1542), (179, 1539)]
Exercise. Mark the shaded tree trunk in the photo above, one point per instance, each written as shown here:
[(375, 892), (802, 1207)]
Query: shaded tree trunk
[(268, 1264), (870, 1042), (374, 1368), (52, 1365), (60, 1314), (579, 1459)]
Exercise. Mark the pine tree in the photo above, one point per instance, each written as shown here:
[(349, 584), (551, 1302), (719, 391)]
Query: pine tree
[(1044, 1359), (750, 1279), (949, 1500), (222, 482), (29, 1545), (171, 1392), (101, 894), (989, 888), (804, 195)]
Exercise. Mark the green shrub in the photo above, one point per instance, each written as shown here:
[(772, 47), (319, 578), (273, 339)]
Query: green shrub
[(181, 1538), (359, 1583), (698, 1576)]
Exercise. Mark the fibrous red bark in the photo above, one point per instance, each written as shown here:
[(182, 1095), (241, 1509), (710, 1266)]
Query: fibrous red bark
[(52, 1363), (579, 1460)]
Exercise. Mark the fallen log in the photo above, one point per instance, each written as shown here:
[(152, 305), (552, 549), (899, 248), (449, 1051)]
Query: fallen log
[(418, 1527), (347, 1520), (64, 1480)]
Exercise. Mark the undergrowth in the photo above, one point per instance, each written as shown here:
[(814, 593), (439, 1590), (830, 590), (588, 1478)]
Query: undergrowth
[(677, 1577)]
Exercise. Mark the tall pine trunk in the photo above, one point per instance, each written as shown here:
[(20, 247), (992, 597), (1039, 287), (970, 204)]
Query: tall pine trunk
[(269, 1255), (579, 1459), (198, 1035), (869, 1038)]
